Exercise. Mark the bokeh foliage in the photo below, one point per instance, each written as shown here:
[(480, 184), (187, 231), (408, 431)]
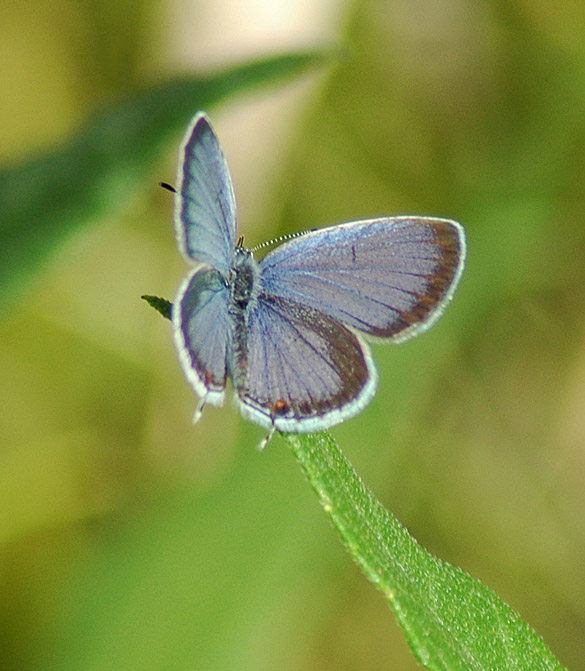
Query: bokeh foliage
[(131, 539)]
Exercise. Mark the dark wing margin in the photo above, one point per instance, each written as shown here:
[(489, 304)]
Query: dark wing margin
[(388, 278), (302, 370), (205, 207), (201, 329)]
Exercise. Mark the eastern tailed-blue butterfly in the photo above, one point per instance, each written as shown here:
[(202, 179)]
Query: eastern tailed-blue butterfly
[(288, 329)]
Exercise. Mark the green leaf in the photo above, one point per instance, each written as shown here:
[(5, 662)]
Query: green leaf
[(93, 174), (161, 305), (451, 621)]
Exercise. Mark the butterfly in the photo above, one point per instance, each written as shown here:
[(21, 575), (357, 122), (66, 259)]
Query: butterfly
[(289, 329)]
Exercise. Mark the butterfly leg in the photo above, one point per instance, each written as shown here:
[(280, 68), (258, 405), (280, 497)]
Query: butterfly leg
[(267, 438), (199, 409)]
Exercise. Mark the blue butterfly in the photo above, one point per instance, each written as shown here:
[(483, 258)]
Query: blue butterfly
[(288, 329)]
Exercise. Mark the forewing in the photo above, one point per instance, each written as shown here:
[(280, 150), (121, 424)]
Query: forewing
[(202, 330), (389, 278), (299, 370), (205, 208)]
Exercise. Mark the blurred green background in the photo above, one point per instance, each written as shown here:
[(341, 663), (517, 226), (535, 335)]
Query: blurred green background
[(131, 539)]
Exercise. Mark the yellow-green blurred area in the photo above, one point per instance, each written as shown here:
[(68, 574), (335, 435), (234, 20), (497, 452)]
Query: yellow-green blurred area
[(131, 539)]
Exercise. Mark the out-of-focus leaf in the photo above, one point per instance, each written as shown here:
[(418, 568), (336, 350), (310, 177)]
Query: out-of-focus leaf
[(157, 594), (94, 173)]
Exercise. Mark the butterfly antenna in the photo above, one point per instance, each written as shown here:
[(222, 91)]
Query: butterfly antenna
[(282, 238)]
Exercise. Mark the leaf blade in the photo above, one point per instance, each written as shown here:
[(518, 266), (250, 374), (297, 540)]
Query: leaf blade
[(451, 621)]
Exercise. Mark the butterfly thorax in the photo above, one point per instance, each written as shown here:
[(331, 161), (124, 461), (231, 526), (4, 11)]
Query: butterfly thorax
[(244, 279), (244, 285)]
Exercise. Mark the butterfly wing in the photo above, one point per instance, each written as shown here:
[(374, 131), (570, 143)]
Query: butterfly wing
[(205, 207), (201, 328), (388, 278), (300, 370)]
